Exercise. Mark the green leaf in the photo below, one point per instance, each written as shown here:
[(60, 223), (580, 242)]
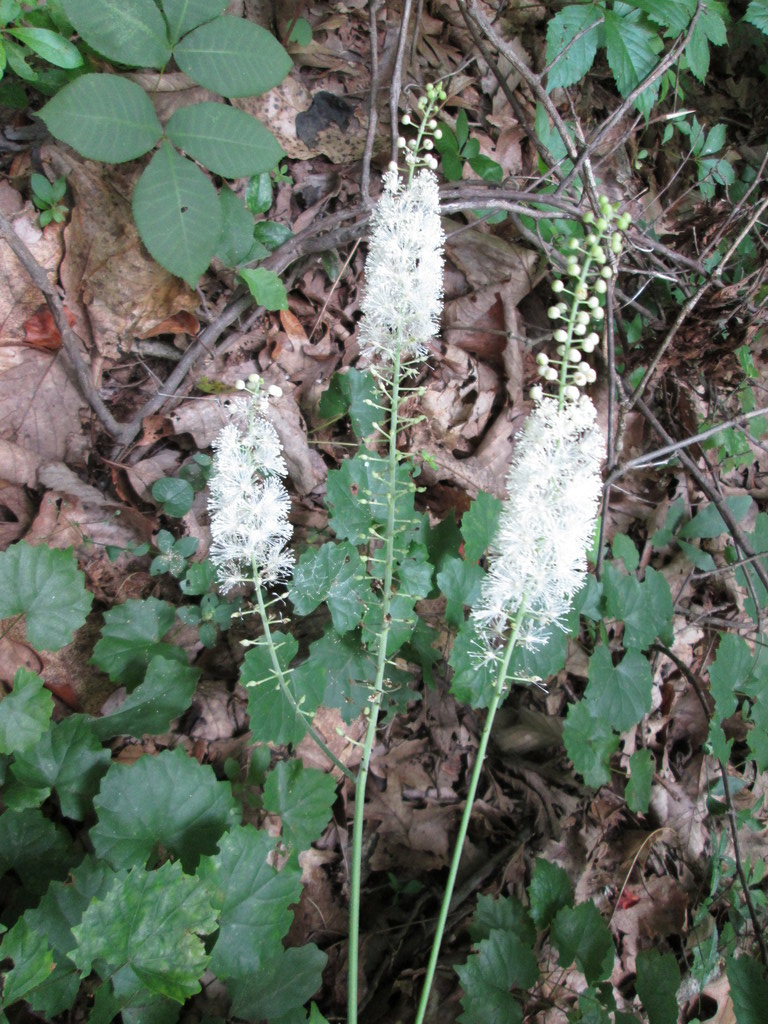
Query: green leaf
[(708, 523), (674, 15), (459, 581), (266, 288), (273, 719), (119, 934), (164, 695), (729, 673), (131, 638), (645, 608), (507, 914), (233, 57), (25, 713), (301, 33), (184, 15), (50, 46), (32, 962), (271, 234), (589, 742), (131, 32), (757, 15), (638, 791), (47, 587), (710, 28), (576, 61), (347, 668), (170, 800), (235, 246), (549, 891), (281, 986), (543, 662), (620, 695), (227, 141), (580, 934), (253, 898), (631, 48), (334, 573), (258, 193), (622, 547), (479, 524), (474, 678), (354, 393), (68, 758), (658, 979), (174, 494), (749, 990), (500, 962), (35, 848), (745, 575), (178, 214), (402, 620), (303, 798)]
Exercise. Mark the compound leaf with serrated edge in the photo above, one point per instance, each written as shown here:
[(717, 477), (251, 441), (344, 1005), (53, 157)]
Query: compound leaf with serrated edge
[(459, 581), (619, 694), (506, 913), (303, 798), (131, 638), (32, 962), (500, 962), (631, 48), (335, 574), (580, 934), (170, 800), (47, 587), (178, 214), (550, 889), (273, 719), (25, 713), (281, 986), (479, 524), (233, 57), (253, 899), (757, 15), (164, 695), (69, 758), (578, 58), (589, 742), (146, 929), (645, 608)]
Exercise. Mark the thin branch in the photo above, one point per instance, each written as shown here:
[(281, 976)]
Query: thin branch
[(397, 75), (373, 112)]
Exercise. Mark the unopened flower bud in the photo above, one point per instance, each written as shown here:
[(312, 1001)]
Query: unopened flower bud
[(560, 335), (553, 313)]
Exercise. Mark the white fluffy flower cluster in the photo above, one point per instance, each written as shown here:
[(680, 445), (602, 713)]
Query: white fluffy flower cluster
[(248, 502), (404, 269), (538, 559)]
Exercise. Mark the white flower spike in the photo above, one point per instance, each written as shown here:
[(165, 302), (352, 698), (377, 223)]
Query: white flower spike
[(404, 269), (248, 502), (538, 557)]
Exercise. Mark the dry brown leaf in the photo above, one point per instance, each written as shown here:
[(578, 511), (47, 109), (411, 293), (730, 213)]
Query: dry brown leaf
[(41, 332), (41, 405), (111, 281)]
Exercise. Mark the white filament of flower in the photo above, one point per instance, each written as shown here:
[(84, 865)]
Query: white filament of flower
[(404, 269), (248, 502), (538, 557)]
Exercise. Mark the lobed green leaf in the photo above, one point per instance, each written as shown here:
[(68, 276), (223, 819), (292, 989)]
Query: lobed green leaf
[(658, 979), (620, 695), (589, 742), (131, 638), (46, 586), (479, 525), (550, 890), (164, 695), (25, 713), (580, 934), (303, 798)]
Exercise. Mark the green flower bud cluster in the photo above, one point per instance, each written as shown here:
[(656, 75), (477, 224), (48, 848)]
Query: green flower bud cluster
[(419, 151), (578, 316)]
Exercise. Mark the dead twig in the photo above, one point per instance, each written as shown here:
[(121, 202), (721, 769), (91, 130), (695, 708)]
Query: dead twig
[(397, 75), (373, 112)]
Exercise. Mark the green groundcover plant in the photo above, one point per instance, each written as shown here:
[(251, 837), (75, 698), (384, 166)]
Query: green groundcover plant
[(127, 883)]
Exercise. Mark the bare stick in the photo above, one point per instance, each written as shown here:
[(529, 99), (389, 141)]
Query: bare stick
[(373, 112), (397, 76)]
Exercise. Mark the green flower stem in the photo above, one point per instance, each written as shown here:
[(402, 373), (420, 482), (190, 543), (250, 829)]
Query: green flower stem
[(575, 304), (284, 687), (375, 702), (498, 696)]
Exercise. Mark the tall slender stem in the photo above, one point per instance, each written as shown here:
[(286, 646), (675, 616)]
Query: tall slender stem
[(282, 683), (499, 691), (355, 883)]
